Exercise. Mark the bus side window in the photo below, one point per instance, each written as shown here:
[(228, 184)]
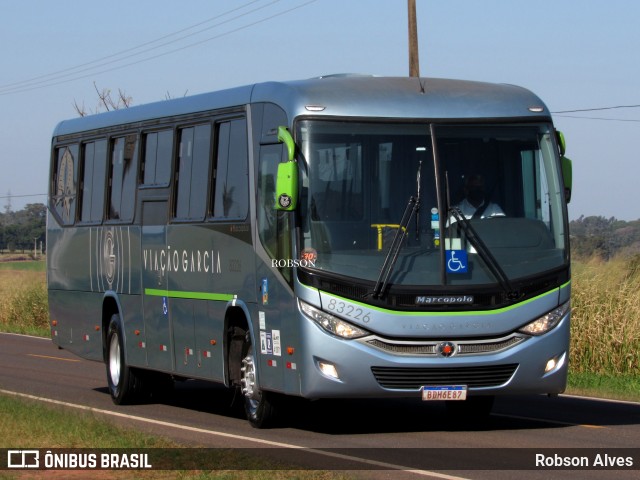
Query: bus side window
[(157, 157), (124, 169), (267, 214), (231, 194), (193, 172), (273, 225), (94, 160), (65, 183)]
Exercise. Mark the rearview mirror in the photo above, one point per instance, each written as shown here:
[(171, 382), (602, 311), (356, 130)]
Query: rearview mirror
[(287, 179), (565, 164), (562, 144), (567, 175)]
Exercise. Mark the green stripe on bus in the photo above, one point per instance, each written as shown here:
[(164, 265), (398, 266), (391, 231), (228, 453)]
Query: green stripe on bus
[(154, 292), (420, 313)]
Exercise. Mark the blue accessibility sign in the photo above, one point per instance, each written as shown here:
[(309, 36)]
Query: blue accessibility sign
[(457, 261)]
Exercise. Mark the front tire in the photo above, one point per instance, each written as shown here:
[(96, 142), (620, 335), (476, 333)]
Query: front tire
[(258, 404), (124, 385)]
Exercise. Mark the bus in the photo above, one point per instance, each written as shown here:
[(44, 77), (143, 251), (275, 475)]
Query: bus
[(346, 236)]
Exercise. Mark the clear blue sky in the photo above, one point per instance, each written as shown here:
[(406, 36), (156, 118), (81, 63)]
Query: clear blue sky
[(575, 54)]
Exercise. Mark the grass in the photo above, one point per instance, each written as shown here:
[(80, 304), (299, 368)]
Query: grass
[(605, 329), (23, 299), (619, 387), (26, 424), (24, 265)]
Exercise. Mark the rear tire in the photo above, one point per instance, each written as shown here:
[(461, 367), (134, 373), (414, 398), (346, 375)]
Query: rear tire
[(258, 405), (125, 386)]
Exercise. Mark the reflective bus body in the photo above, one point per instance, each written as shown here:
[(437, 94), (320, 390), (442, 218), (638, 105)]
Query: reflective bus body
[(172, 252)]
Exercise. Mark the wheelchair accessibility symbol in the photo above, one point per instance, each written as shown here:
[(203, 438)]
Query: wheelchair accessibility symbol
[(457, 261), (165, 307)]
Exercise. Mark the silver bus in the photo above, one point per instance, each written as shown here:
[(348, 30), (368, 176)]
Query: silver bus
[(338, 237)]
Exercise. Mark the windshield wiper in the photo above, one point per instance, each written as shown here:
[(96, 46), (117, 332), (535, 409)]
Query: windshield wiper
[(412, 208), (490, 261)]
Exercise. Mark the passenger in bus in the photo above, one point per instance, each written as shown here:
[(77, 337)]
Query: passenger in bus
[(475, 204)]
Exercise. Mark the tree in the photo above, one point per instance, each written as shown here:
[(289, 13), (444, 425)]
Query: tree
[(105, 102), (21, 229), (604, 237)]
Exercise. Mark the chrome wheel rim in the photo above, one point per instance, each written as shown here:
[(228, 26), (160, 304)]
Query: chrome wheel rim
[(114, 360), (248, 382)]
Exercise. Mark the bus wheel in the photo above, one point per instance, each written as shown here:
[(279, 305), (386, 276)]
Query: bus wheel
[(258, 405), (124, 384)]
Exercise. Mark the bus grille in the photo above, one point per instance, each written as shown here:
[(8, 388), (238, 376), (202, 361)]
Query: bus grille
[(468, 347), (405, 378)]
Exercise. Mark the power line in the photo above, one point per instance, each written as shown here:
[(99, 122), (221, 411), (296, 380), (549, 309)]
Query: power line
[(52, 82), (597, 109), (24, 196), (601, 118), (56, 74)]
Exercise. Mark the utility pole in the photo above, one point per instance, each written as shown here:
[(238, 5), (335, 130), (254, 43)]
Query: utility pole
[(414, 63)]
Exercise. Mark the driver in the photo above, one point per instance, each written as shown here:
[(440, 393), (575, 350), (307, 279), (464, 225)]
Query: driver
[(474, 204)]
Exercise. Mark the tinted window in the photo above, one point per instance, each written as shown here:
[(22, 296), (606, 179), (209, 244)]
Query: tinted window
[(231, 197), (193, 172), (273, 225), (124, 162), (93, 180), (157, 157), (65, 180)]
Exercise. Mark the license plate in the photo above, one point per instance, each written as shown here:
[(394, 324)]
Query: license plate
[(444, 392)]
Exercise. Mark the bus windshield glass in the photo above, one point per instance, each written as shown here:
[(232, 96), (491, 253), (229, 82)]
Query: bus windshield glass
[(488, 201)]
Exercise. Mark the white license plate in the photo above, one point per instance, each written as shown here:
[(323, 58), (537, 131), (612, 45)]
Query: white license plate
[(444, 392)]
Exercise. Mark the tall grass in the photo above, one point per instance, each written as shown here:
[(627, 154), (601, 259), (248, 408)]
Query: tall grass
[(23, 302), (605, 326)]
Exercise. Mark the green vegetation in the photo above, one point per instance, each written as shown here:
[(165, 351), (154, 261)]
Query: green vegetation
[(605, 326), (605, 238), (619, 387), (24, 230), (27, 424), (23, 299), (6, 263)]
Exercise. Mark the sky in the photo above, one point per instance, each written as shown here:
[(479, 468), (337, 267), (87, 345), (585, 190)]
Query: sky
[(574, 54)]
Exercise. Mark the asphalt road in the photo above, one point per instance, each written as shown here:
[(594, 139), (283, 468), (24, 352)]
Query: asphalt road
[(381, 439)]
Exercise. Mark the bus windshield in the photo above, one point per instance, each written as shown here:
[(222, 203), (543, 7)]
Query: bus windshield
[(488, 201)]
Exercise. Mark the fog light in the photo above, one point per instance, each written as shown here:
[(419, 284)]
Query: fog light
[(329, 370), (555, 363), (551, 364)]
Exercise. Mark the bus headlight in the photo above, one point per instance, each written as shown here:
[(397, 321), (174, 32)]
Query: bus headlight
[(332, 324), (547, 322)]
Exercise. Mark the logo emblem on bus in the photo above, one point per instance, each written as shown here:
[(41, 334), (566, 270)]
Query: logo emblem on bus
[(109, 257), (65, 191), (446, 349), (284, 200)]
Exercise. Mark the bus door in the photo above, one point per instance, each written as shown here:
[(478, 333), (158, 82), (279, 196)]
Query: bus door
[(155, 304)]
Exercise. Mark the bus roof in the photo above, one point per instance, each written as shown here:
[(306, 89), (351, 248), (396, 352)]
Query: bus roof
[(343, 96)]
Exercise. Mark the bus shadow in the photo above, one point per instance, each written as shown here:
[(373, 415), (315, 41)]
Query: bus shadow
[(531, 412), (368, 416), (344, 417), (195, 395)]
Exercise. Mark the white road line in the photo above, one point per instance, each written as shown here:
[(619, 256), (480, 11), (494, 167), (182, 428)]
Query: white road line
[(49, 357), (25, 335), (545, 420), (373, 463)]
